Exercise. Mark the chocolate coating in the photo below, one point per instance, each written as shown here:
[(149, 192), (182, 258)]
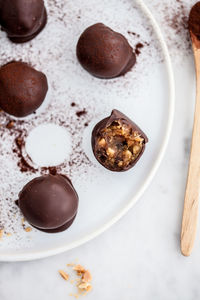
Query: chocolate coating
[(117, 142), (22, 20), (194, 20), (22, 89), (104, 53), (49, 203)]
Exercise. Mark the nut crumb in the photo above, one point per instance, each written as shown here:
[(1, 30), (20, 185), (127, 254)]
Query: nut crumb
[(79, 269), (83, 281), (85, 286), (8, 234), (87, 277), (28, 229), (64, 275)]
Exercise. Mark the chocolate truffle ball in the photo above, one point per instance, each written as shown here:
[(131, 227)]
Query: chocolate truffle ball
[(49, 203), (104, 53), (22, 20), (117, 142), (22, 89)]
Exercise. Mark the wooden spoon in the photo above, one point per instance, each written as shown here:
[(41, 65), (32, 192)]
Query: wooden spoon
[(191, 203)]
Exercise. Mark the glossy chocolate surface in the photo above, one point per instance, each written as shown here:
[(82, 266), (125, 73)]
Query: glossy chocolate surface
[(22, 20), (49, 203), (104, 53), (111, 146), (22, 89)]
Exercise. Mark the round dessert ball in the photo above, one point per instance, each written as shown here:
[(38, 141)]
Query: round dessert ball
[(117, 142), (104, 53), (49, 203), (22, 89), (22, 20)]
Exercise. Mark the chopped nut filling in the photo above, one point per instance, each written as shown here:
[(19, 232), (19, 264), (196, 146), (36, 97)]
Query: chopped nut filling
[(118, 145)]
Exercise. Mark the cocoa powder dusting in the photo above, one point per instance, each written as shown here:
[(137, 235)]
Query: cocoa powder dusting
[(173, 17), (23, 162)]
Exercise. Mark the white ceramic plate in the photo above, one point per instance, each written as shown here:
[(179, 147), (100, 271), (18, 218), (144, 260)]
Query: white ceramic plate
[(146, 95)]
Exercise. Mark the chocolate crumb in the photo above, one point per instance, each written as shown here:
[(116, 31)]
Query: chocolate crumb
[(81, 113), (133, 33), (73, 104), (138, 47)]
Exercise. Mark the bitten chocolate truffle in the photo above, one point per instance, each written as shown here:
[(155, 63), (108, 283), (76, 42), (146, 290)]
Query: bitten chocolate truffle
[(22, 89), (117, 142), (49, 203), (104, 53), (22, 20)]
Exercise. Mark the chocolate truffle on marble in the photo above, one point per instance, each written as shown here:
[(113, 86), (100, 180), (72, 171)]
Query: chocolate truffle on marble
[(22, 89), (22, 20), (117, 142), (104, 53), (49, 203)]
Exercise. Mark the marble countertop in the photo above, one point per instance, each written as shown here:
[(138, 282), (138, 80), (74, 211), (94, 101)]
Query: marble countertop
[(139, 257)]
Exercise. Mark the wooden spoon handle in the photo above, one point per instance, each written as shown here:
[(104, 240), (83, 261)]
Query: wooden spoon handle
[(190, 212)]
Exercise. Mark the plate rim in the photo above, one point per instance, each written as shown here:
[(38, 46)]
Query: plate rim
[(57, 250)]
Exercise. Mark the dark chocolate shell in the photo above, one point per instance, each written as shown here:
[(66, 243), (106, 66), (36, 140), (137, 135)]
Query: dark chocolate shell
[(49, 203)]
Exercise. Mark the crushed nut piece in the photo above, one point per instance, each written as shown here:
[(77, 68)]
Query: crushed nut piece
[(83, 282), (64, 275), (28, 229), (110, 152), (84, 286), (79, 269), (136, 149), (87, 277), (102, 142)]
